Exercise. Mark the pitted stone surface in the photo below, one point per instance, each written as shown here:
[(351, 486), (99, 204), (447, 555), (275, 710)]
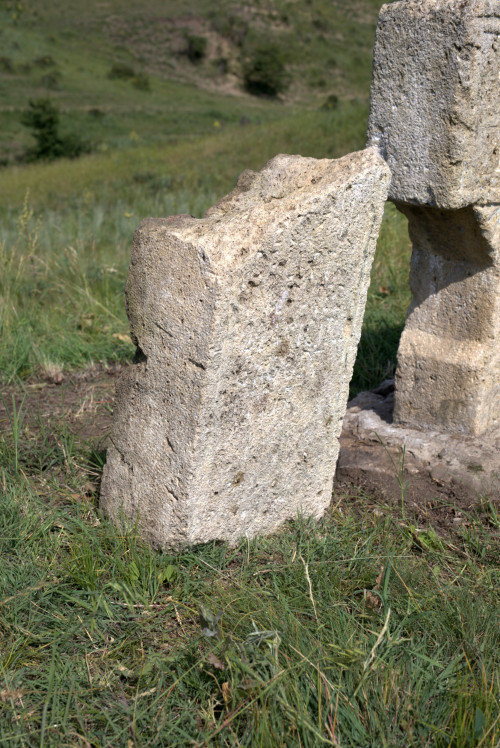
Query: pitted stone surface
[(435, 101), (247, 323), (435, 118)]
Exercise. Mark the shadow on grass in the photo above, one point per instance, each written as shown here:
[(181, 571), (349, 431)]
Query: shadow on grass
[(377, 356)]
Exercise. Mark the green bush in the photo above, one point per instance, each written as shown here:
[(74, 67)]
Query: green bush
[(264, 73), (6, 65), (96, 113), (330, 103), (121, 71), (196, 47), (141, 82), (45, 61), (42, 118)]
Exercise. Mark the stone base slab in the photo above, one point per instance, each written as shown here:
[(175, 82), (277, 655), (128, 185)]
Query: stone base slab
[(467, 465)]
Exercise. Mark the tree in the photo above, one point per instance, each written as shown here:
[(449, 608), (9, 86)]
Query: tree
[(42, 118), (264, 73)]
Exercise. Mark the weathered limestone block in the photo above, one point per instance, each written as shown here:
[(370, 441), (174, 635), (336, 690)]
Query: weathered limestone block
[(448, 374), (435, 114), (246, 323), (435, 118)]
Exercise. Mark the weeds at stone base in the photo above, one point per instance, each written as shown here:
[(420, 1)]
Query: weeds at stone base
[(343, 632), (399, 471)]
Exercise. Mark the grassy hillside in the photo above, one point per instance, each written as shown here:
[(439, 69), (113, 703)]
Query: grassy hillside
[(67, 50)]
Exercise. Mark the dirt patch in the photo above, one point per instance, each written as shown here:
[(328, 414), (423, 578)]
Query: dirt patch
[(83, 400)]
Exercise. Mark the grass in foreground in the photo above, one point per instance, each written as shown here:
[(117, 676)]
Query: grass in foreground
[(343, 632), (323, 638)]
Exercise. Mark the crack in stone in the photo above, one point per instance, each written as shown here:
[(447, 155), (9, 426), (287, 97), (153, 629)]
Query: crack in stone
[(164, 329), (197, 363)]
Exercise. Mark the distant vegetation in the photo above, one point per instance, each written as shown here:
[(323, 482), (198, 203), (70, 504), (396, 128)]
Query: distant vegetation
[(159, 72), (122, 71), (42, 118), (165, 140), (264, 71), (196, 47)]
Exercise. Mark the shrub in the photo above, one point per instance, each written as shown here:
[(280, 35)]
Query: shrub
[(96, 113), (73, 146), (6, 65), (196, 47), (331, 102), (121, 71), (45, 61), (42, 118), (264, 73)]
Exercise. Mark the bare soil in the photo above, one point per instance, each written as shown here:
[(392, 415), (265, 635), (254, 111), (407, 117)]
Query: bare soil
[(83, 400)]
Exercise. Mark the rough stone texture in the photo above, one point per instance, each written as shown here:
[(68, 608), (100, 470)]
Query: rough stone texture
[(435, 114), (448, 375), (464, 464), (246, 323)]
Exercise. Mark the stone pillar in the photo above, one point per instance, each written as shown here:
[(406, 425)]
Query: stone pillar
[(435, 118), (246, 324)]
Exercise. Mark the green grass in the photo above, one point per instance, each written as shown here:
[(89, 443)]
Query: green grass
[(66, 51), (66, 227), (342, 632)]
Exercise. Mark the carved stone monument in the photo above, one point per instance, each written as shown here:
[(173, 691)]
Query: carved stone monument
[(435, 118), (246, 324)]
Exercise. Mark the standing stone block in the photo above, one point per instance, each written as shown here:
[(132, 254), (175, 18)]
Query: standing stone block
[(435, 118), (246, 324), (448, 374), (435, 114)]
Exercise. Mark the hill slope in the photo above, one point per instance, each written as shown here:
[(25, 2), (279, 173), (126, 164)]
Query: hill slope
[(169, 69)]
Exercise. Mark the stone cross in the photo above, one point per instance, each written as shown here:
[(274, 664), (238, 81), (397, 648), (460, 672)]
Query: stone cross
[(435, 118), (246, 324)]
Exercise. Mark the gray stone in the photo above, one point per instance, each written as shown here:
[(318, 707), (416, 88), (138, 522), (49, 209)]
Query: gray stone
[(435, 118), (247, 323), (435, 100), (448, 375)]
